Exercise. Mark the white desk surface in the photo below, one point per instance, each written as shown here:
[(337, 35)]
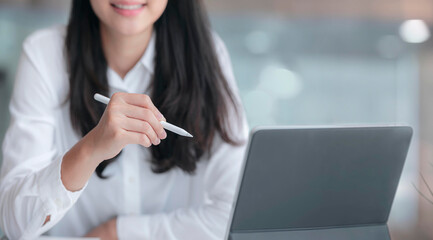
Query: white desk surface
[(64, 238)]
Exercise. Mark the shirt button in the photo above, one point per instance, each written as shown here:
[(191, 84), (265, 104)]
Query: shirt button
[(131, 180)]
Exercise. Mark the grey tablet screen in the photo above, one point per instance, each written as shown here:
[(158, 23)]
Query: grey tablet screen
[(320, 177)]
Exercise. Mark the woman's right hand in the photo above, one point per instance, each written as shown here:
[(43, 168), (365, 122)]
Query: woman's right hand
[(128, 119)]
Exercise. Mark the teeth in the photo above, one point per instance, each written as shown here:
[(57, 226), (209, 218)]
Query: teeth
[(128, 7)]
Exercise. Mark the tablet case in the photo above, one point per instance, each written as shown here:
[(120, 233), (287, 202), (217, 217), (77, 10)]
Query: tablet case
[(319, 183)]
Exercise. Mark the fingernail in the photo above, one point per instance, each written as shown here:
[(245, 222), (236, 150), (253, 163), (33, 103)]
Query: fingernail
[(160, 117), (164, 135), (158, 141)]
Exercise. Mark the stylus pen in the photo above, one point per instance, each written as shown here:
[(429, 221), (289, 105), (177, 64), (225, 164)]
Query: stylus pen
[(168, 126)]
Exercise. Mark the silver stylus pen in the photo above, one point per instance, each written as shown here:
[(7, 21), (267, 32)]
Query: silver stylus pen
[(168, 126)]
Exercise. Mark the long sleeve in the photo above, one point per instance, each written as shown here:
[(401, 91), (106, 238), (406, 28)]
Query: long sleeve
[(208, 221), (30, 184)]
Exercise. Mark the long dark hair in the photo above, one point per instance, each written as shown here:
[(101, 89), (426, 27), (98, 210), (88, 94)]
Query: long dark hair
[(188, 86)]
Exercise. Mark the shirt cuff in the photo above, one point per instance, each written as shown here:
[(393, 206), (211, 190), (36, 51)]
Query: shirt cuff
[(132, 227), (54, 195)]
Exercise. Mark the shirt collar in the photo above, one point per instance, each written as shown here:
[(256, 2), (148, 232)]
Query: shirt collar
[(144, 66), (148, 57)]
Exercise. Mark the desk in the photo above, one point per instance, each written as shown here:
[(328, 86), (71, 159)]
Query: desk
[(64, 238)]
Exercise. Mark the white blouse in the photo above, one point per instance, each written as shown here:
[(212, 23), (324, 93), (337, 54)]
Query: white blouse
[(172, 205)]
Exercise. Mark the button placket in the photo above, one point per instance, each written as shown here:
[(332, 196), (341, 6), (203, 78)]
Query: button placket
[(130, 164)]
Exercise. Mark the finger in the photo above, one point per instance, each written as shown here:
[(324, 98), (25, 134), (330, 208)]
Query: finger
[(145, 114), (138, 138), (139, 126), (143, 100)]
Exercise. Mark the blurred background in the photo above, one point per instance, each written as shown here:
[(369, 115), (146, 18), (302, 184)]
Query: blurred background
[(305, 62)]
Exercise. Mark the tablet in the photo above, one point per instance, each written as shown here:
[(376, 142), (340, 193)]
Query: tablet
[(319, 183)]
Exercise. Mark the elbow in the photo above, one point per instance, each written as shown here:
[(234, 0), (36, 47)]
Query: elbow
[(8, 222), (13, 221)]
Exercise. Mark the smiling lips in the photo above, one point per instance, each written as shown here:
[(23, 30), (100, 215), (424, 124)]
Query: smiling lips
[(128, 9)]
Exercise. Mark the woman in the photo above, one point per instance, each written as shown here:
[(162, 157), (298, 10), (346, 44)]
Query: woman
[(75, 167)]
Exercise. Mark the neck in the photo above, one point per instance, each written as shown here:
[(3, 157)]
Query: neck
[(123, 52)]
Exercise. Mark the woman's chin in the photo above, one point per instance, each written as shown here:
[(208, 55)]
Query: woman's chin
[(130, 29)]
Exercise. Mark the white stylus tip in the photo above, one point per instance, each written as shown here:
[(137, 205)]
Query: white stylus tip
[(175, 129)]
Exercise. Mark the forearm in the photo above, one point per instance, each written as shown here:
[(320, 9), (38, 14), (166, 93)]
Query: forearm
[(78, 164), (30, 195)]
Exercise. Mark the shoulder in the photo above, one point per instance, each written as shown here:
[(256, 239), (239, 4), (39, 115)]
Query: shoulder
[(45, 46), (223, 57), (47, 38), (226, 67), (225, 62), (219, 45), (44, 51)]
